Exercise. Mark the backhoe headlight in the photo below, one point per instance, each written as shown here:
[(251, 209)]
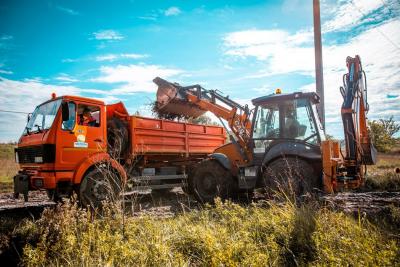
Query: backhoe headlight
[(38, 159)]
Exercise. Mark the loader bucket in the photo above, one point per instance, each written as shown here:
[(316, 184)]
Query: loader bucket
[(171, 101)]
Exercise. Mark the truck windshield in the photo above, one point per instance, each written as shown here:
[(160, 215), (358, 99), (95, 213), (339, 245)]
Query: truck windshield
[(43, 116)]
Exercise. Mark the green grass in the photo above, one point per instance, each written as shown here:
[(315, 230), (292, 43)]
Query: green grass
[(383, 176), (225, 235)]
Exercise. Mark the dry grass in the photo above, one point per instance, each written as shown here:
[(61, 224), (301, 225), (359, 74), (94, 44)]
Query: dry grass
[(383, 176), (224, 235)]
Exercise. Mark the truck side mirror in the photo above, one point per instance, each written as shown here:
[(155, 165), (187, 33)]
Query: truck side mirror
[(65, 111), (28, 117)]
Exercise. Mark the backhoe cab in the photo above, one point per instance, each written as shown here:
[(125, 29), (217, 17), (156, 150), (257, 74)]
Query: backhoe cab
[(288, 117)]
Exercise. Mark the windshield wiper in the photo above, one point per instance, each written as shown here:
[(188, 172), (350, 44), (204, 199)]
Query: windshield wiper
[(38, 127), (27, 130)]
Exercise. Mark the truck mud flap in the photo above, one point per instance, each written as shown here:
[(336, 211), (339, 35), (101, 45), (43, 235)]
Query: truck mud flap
[(21, 185)]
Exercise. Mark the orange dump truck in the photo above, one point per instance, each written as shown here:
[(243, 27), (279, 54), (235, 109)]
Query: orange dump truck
[(76, 144)]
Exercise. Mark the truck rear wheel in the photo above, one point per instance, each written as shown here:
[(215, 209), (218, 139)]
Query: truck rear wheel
[(211, 180), (98, 186), (290, 175), (117, 137)]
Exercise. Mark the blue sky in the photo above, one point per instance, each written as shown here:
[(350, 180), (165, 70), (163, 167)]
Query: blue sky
[(112, 50)]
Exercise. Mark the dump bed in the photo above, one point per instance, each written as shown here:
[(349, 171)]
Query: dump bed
[(162, 137)]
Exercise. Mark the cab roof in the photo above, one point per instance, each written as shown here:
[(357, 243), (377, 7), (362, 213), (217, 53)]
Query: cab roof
[(76, 98), (276, 98), (84, 99)]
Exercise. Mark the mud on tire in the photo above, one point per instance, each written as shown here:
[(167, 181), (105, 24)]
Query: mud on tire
[(117, 137), (292, 176), (211, 180), (99, 185)]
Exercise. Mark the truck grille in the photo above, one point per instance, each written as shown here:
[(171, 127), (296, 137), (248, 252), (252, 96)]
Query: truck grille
[(36, 154)]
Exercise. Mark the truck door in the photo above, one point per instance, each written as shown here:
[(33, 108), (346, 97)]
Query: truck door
[(83, 134)]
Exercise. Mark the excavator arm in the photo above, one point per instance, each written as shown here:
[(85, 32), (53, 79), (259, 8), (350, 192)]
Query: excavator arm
[(194, 100), (346, 171), (359, 149)]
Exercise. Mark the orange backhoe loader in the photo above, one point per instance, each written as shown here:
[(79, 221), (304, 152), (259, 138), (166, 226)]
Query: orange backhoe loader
[(279, 141)]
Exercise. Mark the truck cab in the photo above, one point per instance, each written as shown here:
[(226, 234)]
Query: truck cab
[(63, 137)]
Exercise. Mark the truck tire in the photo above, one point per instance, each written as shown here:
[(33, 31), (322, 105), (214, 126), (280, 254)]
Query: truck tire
[(290, 175), (117, 137), (187, 186), (211, 180), (98, 186)]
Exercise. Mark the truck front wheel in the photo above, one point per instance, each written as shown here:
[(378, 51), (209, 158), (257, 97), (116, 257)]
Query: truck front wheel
[(211, 180), (100, 185)]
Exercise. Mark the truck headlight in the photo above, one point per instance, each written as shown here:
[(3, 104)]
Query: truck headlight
[(16, 157), (38, 159)]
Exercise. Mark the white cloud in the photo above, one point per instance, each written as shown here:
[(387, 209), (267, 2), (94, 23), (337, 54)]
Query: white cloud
[(172, 11), (109, 57), (344, 15), (150, 17), (108, 35), (68, 10), (69, 60), (6, 37), (112, 57), (134, 78), (133, 56), (6, 72), (283, 53), (65, 78), (6, 41)]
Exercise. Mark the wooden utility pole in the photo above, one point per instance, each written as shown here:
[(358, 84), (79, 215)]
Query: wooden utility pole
[(319, 72)]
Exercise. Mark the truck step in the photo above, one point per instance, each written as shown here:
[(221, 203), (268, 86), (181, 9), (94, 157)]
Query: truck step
[(137, 189), (157, 177)]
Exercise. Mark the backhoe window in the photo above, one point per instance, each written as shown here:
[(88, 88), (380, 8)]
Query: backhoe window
[(299, 123), (267, 123)]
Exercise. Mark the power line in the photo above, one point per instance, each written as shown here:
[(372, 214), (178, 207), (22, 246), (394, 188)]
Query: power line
[(11, 111)]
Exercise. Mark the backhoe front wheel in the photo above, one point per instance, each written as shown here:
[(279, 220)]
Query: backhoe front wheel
[(211, 180), (100, 185)]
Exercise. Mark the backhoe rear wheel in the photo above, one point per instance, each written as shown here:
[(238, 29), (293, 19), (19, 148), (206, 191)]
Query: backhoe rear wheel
[(292, 176), (100, 185), (211, 180)]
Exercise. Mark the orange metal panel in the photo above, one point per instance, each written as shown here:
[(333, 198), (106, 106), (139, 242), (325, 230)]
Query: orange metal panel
[(156, 136)]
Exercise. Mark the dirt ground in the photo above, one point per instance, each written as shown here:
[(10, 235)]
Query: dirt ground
[(175, 201), (170, 202)]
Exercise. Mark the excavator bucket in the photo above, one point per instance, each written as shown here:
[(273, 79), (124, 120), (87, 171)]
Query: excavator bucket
[(172, 102)]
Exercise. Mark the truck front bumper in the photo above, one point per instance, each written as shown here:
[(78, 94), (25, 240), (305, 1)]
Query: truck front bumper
[(27, 180)]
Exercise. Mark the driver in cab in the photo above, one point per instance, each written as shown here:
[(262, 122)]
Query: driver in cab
[(292, 126), (86, 118)]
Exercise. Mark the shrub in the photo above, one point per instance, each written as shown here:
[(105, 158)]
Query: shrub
[(382, 133)]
